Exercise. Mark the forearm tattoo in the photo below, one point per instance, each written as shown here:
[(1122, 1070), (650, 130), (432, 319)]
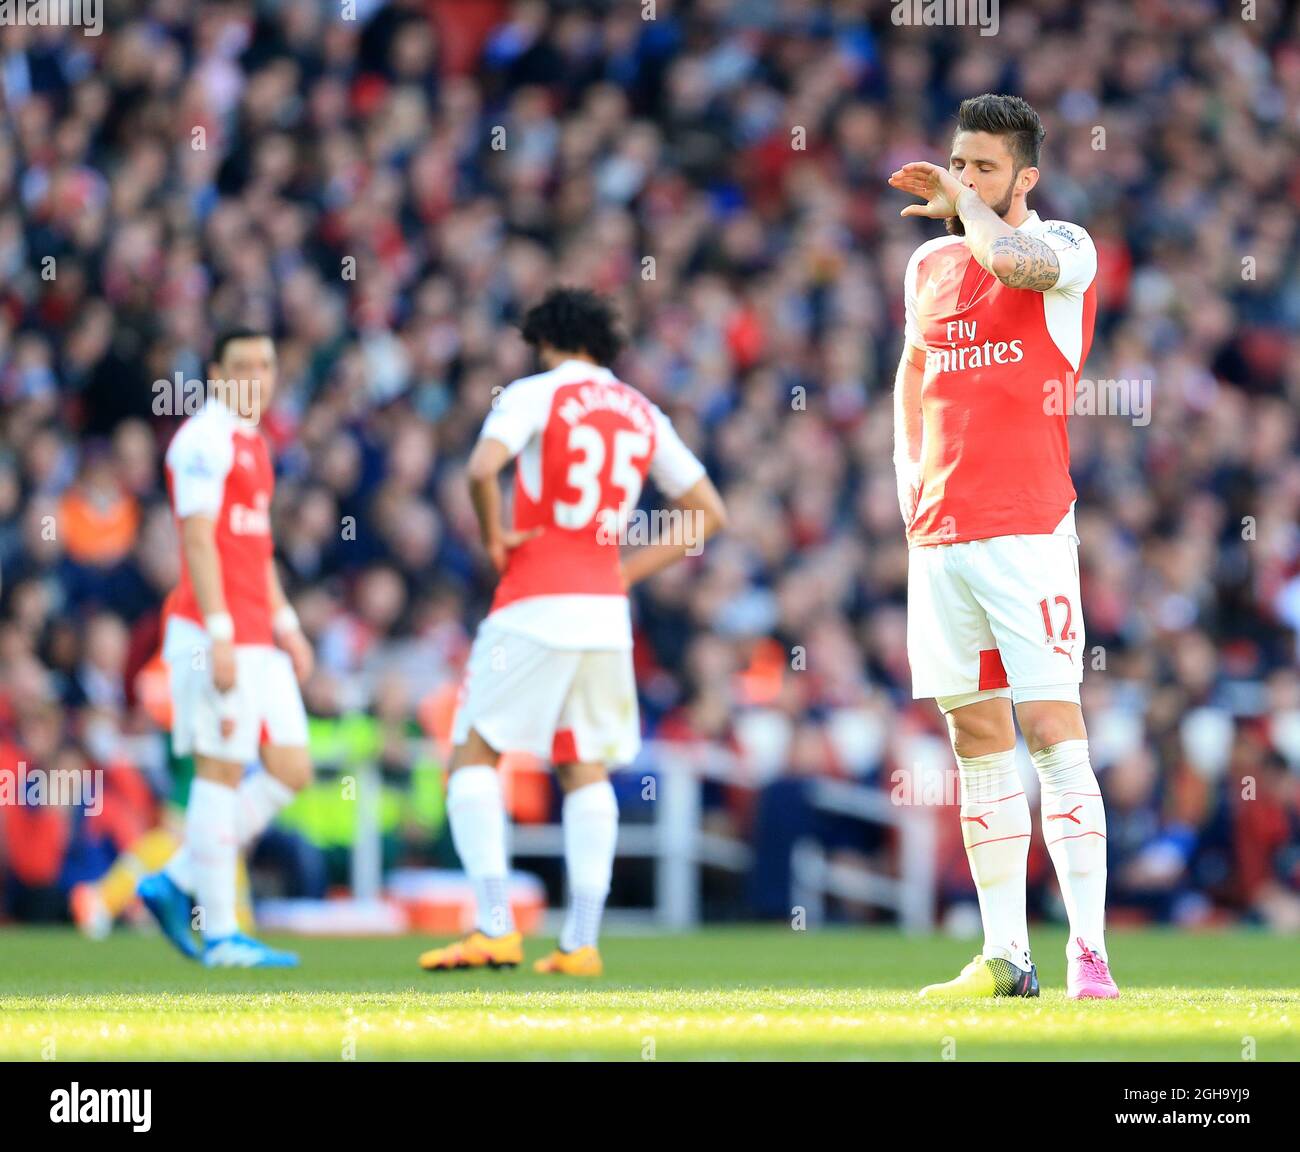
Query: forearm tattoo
[(1036, 266)]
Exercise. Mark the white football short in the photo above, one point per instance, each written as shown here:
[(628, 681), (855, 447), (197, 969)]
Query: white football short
[(563, 705), (265, 705), (998, 616)]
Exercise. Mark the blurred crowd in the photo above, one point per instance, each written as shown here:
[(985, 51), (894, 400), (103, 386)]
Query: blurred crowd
[(387, 193)]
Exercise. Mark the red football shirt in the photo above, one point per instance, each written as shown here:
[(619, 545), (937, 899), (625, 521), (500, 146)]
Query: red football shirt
[(218, 465), (1000, 371), (585, 443)]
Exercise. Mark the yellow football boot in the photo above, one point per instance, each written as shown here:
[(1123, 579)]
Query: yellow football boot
[(580, 962), (983, 978), (476, 951)]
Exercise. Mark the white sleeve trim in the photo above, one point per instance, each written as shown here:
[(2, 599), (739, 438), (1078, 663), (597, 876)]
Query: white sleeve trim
[(519, 413), (200, 458), (1063, 302), (912, 323), (1075, 252), (674, 467)]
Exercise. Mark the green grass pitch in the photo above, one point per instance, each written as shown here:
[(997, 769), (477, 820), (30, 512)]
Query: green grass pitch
[(734, 993)]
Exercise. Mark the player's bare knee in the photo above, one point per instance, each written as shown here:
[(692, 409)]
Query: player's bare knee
[(473, 751), (298, 775), (981, 728), (291, 766), (1042, 734), (573, 776), (1048, 722), (969, 744)]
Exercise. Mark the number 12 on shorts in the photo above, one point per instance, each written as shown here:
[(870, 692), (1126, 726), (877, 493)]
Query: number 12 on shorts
[(1067, 633)]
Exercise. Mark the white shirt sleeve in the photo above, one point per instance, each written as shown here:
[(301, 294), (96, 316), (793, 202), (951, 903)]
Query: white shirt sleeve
[(674, 467), (518, 414), (199, 463), (1076, 254), (911, 326)]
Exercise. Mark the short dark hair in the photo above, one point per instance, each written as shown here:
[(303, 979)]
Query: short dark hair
[(1008, 116), (574, 320), (229, 335)]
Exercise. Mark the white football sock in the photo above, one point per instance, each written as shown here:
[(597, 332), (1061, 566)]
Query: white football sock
[(214, 852), (261, 796), (180, 868), (590, 820), (1074, 827), (477, 816), (995, 827)]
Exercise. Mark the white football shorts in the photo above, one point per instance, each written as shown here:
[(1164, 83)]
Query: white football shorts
[(563, 705), (1000, 616), (265, 705)]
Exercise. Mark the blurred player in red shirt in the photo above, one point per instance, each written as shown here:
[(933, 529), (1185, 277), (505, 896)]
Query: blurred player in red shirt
[(999, 321), (550, 671), (235, 656)]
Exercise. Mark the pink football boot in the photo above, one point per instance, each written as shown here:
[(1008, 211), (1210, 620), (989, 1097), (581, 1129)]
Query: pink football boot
[(1087, 977)]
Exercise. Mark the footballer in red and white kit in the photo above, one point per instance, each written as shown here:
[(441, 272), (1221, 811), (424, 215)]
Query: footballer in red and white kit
[(550, 671), (219, 467), (999, 320), (235, 655)]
